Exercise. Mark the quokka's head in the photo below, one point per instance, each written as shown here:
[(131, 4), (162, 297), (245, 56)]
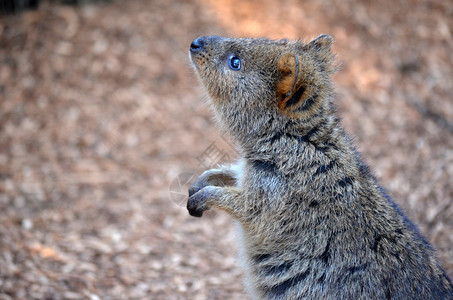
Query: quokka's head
[(261, 77)]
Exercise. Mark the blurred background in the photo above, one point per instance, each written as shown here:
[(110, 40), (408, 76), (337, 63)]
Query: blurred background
[(103, 123)]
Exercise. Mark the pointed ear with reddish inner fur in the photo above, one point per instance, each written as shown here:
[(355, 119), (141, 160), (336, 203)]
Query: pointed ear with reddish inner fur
[(290, 87), (303, 77)]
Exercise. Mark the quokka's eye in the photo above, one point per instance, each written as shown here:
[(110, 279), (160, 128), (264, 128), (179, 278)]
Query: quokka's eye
[(234, 63)]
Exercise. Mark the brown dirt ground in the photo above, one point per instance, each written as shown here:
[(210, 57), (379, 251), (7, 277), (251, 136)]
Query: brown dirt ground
[(100, 112)]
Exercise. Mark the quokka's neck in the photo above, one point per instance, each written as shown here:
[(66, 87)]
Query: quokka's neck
[(321, 134)]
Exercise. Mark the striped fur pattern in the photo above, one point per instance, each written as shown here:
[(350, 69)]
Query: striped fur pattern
[(313, 221)]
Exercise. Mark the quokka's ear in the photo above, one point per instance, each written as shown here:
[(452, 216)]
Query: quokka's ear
[(321, 44), (321, 49), (291, 88)]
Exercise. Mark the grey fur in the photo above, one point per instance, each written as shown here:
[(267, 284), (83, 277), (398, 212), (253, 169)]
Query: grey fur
[(314, 222)]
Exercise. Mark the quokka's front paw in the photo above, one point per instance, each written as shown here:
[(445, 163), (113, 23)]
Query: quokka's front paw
[(196, 187), (203, 181), (213, 177), (198, 201)]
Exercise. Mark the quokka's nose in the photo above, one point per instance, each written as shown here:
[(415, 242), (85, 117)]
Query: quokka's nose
[(204, 43), (197, 44)]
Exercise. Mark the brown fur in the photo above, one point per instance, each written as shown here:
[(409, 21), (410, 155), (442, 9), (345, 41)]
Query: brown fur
[(313, 221)]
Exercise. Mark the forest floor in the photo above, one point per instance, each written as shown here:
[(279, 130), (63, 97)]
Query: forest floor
[(102, 121)]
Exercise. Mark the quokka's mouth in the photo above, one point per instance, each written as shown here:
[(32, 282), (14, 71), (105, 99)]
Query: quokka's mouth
[(196, 60)]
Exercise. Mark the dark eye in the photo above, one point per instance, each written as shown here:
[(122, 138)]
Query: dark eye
[(234, 62)]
